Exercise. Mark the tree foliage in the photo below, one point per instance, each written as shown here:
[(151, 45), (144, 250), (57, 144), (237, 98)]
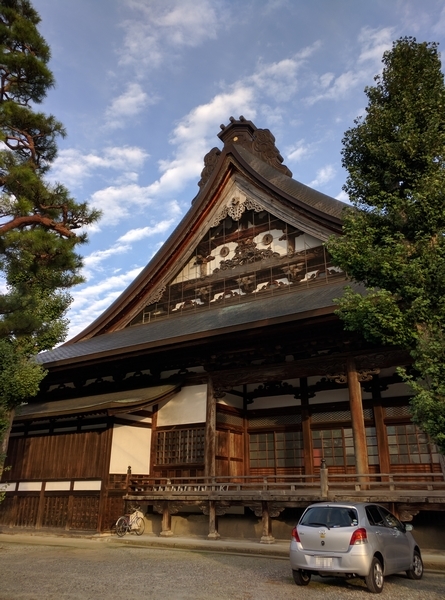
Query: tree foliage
[(40, 223), (394, 236)]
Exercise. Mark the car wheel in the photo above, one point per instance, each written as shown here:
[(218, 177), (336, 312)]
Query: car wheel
[(301, 577), (374, 580), (416, 570)]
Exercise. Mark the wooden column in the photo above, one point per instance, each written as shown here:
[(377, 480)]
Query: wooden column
[(306, 428), (166, 528), (210, 432), (358, 423), (267, 537), (213, 521)]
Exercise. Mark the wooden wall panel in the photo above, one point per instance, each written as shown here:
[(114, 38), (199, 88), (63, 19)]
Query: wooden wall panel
[(85, 512), (73, 455), (7, 511), (229, 453), (27, 510), (55, 513), (114, 507)]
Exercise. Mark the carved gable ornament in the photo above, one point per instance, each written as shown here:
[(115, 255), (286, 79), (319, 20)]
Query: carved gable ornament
[(260, 142)]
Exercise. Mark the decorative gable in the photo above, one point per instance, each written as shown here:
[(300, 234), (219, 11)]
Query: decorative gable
[(246, 254)]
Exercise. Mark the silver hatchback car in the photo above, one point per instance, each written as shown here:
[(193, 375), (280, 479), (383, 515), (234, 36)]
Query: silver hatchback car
[(353, 540)]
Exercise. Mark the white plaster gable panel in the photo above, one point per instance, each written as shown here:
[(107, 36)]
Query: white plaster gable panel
[(187, 406), (130, 447)]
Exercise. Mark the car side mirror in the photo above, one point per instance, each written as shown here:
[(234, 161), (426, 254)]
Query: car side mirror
[(408, 527)]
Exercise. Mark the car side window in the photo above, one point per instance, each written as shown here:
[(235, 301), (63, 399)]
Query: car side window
[(374, 516), (390, 520)]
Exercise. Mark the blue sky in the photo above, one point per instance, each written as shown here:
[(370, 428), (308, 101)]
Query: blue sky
[(143, 86)]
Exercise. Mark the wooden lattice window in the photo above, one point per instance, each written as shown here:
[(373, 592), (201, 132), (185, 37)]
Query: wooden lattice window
[(336, 446), (276, 449), (408, 445), (180, 446)]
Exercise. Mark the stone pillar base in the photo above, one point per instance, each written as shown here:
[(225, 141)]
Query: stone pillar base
[(267, 539), (213, 536), (166, 533)]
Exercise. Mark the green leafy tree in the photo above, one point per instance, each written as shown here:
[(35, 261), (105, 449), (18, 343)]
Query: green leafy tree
[(394, 235), (40, 223)]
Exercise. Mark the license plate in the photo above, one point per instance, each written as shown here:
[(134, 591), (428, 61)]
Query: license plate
[(323, 561)]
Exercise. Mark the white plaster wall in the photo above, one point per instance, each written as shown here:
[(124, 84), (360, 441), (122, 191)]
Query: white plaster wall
[(187, 406), (130, 447)]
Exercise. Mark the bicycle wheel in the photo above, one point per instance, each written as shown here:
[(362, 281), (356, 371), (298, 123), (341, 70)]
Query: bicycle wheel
[(139, 526), (121, 526)]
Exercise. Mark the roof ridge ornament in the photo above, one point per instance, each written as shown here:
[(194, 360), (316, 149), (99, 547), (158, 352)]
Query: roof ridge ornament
[(260, 142)]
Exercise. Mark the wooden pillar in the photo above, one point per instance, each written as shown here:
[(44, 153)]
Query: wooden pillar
[(380, 428), (267, 537), (213, 521), (306, 428), (166, 528), (358, 423), (210, 432)]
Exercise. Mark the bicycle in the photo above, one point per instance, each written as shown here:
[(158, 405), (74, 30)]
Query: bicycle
[(133, 522)]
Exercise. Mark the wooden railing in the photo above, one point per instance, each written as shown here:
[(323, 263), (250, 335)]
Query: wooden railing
[(322, 484)]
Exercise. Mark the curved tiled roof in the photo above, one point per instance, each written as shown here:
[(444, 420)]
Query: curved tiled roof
[(299, 191)]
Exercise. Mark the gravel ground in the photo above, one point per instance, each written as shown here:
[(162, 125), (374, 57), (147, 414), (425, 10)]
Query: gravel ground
[(31, 572)]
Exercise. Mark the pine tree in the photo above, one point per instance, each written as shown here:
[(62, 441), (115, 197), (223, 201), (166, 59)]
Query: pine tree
[(40, 223), (394, 236)]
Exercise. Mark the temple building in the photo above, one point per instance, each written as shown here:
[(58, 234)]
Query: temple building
[(220, 388)]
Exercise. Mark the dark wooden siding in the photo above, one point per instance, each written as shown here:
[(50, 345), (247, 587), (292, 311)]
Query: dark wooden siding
[(59, 456)]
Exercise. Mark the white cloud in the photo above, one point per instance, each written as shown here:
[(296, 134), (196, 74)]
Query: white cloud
[(72, 166), (343, 196), (128, 104), (194, 133), (298, 151), (373, 43), (90, 301), (93, 260), (117, 203), (164, 26), (134, 235), (324, 175)]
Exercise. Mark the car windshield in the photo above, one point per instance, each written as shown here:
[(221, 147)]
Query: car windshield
[(330, 516)]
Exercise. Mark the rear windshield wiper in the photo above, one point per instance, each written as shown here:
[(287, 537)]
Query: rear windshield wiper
[(315, 524)]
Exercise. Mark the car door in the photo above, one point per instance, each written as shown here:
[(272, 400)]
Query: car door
[(383, 538), (398, 545)]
